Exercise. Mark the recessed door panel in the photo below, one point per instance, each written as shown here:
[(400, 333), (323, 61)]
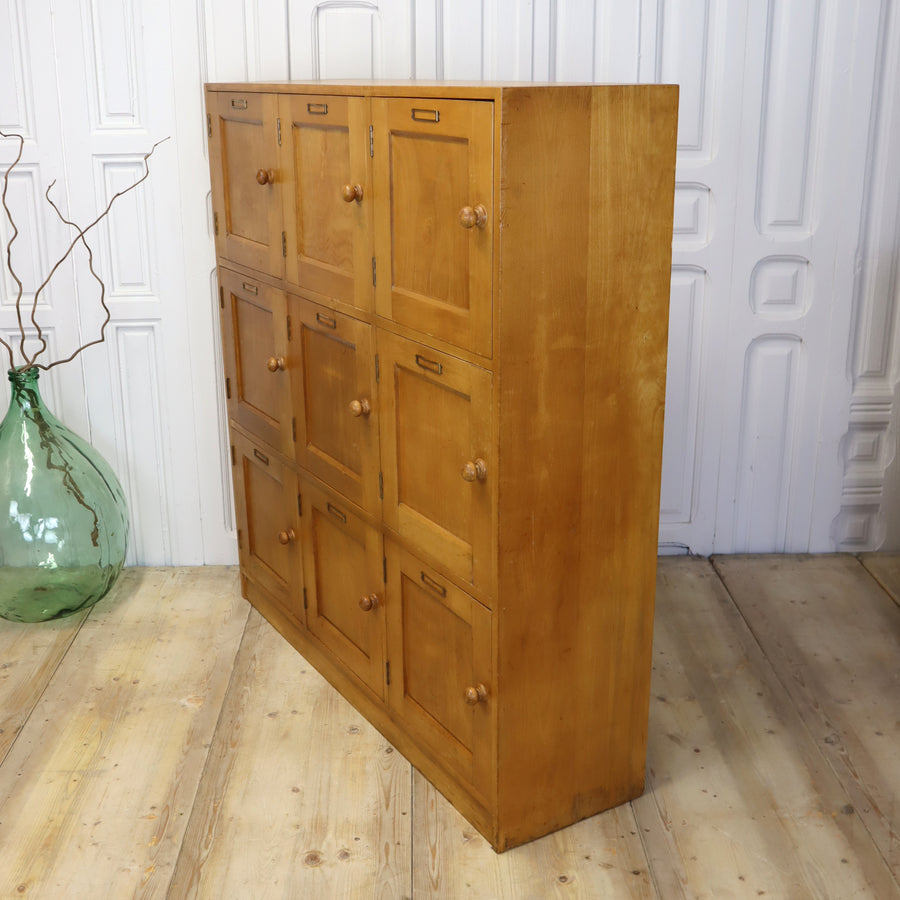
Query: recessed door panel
[(344, 584), (328, 196), (439, 647), (436, 455), (336, 404), (435, 217), (257, 360), (268, 528), (244, 165)]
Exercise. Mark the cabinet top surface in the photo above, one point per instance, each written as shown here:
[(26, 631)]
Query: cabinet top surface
[(488, 90)]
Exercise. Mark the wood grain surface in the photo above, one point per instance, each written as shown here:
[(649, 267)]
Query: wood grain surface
[(170, 746), (828, 629), (301, 796), (115, 746)]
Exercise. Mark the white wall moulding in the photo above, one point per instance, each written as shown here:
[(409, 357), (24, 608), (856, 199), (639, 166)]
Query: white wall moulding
[(118, 74), (142, 464), (687, 45), (691, 221), (788, 120), (870, 493), (686, 315), (787, 221), (774, 376), (25, 198), (780, 287), (331, 52), (127, 234), (349, 39), (16, 100)]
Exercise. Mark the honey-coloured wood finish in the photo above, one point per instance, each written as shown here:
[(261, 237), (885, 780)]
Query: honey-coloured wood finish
[(253, 316), (335, 406), (496, 460), (435, 161), (265, 498), (327, 188), (439, 644), (436, 421), (245, 175), (343, 584)]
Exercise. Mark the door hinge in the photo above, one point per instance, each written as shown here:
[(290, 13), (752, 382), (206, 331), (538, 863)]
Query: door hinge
[(305, 606), (387, 670), (227, 388), (373, 272), (233, 457), (377, 370), (284, 244), (294, 429), (216, 224), (208, 125), (381, 485), (240, 540), (221, 298), (278, 129), (300, 505), (371, 140), (384, 567), (290, 337)]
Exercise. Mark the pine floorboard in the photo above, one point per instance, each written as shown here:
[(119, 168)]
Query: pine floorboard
[(169, 743)]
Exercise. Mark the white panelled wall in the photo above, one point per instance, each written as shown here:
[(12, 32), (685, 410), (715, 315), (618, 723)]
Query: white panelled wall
[(782, 401)]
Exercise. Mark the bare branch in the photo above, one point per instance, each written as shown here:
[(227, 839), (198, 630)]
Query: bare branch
[(9, 266), (80, 237), (102, 294)]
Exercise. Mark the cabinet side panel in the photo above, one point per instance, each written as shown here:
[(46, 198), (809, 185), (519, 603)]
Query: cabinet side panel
[(545, 178), (583, 326), (632, 195)]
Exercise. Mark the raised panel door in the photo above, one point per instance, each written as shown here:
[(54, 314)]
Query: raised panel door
[(265, 493), (344, 584), (434, 225), (439, 649), (257, 360), (328, 196), (335, 400), (436, 455), (244, 165)]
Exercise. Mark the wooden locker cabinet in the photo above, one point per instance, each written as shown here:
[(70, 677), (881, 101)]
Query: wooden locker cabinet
[(444, 319), (343, 585), (265, 493), (253, 316), (244, 170)]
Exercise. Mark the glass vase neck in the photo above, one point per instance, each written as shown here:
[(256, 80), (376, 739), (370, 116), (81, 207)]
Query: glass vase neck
[(24, 377)]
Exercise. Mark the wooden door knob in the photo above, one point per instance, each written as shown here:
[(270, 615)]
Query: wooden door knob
[(351, 192), (265, 176), (475, 470), (287, 537), (275, 364), (360, 407), (475, 695), (470, 216), (369, 602)]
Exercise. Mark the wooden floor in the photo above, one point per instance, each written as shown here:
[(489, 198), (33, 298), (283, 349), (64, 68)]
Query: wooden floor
[(171, 744)]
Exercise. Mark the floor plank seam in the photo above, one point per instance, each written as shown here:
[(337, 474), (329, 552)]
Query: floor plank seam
[(47, 683), (874, 576), (412, 833), (651, 871), (209, 750), (838, 772)]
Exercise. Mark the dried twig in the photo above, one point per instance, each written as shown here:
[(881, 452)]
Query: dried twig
[(15, 234), (99, 280), (79, 238)]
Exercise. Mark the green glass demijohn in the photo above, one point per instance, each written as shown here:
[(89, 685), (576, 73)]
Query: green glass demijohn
[(63, 515)]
